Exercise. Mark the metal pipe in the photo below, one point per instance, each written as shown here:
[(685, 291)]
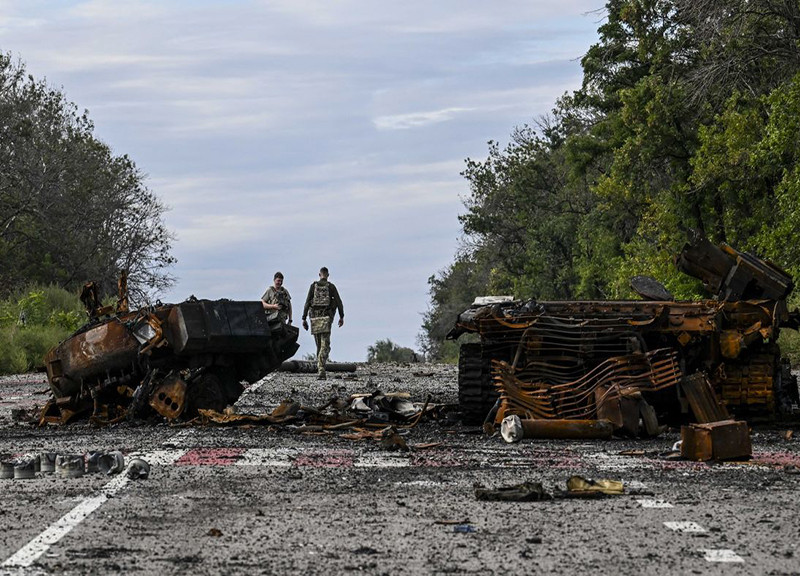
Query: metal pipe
[(514, 429)]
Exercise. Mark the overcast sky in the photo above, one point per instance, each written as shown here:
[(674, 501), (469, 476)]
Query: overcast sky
[(293, 134)]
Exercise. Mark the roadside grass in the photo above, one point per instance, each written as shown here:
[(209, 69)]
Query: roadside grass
[(32, 321)]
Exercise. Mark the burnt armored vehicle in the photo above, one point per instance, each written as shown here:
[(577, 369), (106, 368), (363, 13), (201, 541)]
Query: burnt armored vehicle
[(174, 359), (589, 359)]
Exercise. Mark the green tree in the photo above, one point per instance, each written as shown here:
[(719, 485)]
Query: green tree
[(388, 351), (452, 291), (687, 118), (33, 320), (70, 210)]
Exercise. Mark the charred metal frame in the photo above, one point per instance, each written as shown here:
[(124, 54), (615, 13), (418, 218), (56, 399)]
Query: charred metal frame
[(571, 359), (175, 358)]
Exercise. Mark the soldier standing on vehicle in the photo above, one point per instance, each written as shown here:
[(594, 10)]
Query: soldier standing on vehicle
[(276, 300), (322, 302)]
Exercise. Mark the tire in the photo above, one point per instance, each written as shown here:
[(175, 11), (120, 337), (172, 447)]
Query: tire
[(476, 395)]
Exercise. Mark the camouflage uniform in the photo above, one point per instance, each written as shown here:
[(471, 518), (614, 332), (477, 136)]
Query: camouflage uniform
[(322, 302), (281, 297)]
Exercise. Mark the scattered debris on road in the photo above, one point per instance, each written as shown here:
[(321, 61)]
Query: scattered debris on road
[(29, 466), (525, 492), (308, 367), (138, 469), (724, 440), (514, 429), (357, 412), (578, 485)]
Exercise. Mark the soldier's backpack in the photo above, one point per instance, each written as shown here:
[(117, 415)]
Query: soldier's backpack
[(322, 295)]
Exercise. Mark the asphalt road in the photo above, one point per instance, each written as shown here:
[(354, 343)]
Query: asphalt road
[(274, 500)]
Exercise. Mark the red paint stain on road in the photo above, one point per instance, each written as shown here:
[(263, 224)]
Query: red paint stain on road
[(777, 459), (328, 459), (210, 457)]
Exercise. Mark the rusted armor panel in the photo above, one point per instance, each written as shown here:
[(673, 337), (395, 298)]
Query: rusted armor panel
[(108, 347)]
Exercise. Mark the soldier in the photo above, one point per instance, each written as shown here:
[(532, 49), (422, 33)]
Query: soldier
[(276, 300), (322, 301)]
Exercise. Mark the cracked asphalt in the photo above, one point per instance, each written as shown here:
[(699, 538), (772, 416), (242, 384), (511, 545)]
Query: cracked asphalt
[(273, 500)]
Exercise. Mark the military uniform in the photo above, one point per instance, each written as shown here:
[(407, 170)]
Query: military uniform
[(321, 304), (281, 297)]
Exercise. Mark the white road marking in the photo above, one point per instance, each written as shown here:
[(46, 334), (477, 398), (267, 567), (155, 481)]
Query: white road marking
[(684, 526), (421, 483), (34, 549), (23, 571), (654, 504), (272, 457), (381, 461), (615, 462), (158, 457), (721, 556)]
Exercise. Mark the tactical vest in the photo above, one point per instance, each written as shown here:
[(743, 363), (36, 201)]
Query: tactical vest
[(322, 296), (282, 299)]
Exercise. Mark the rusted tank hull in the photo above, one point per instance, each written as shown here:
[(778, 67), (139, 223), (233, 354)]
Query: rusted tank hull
[(533, 352), (174, 358)]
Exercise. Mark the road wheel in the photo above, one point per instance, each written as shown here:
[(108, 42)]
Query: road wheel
[(205, 393), (476, 395)]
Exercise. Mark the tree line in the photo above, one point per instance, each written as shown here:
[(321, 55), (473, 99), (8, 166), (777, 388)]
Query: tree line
[(688, 117), (70, 209)]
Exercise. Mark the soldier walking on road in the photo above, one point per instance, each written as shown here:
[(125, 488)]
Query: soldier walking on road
[(276, 300), (322, 302)]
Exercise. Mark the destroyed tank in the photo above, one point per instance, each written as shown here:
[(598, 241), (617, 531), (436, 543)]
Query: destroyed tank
[(174, 359), (679, 360)]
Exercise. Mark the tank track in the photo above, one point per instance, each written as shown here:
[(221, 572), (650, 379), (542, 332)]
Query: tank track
[(476, 395)]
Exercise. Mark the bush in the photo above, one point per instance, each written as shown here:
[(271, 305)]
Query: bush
[(12, 357), (36, 341), (32, 321), (388, 351), (69, 320), (448, 351), (789, 341), (22, 349)]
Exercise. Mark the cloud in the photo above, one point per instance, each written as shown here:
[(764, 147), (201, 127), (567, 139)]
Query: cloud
[(425, 17), (417, 119), (131, 12)]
